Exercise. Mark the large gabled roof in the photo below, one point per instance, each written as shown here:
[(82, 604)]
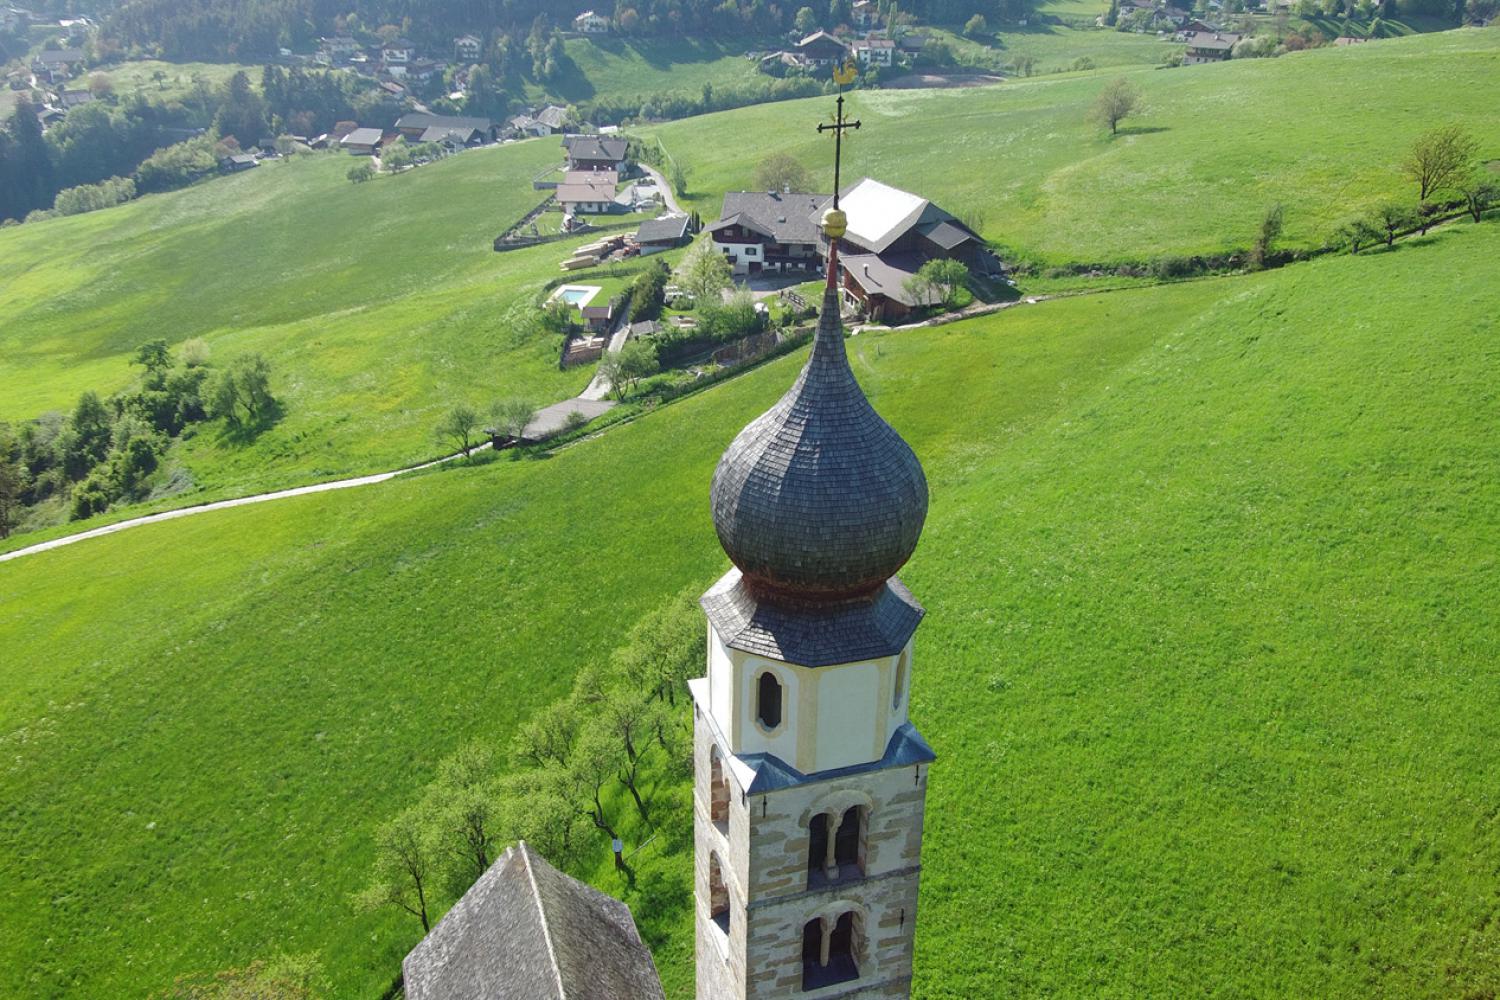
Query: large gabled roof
[(784, 217), (425, 120), (593, 147), (526, 931)]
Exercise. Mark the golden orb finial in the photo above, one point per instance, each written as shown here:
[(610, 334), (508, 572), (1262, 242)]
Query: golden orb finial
[(835, 223)]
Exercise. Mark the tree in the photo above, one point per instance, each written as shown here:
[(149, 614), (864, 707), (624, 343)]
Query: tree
[(101, 86), (547, 737), (706, 273), (242, 114), (942, 279), (512, 417), (1358, 234), (223, 399), (805, 21), (1438, 158), (1023, 65), (12, 483), (87, 436), (678, 175), (636, 360), (403, 867), (976, 26), (360, 173), (780, 172), (1391, 218), (468, 793), (1265, 239), (155, 357), (663, 649), (629, 717), (252, 377), (1478, 194), (395, 156), (1117, 100), (460, 425)]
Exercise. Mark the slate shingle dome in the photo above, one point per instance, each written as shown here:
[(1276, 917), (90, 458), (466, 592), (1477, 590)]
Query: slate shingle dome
[(819, 499)]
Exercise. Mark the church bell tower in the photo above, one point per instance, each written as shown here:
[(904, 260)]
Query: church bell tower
[(810, 781)]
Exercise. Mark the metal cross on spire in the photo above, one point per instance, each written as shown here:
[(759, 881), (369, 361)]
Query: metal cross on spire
[(834, 221), (841, 75)]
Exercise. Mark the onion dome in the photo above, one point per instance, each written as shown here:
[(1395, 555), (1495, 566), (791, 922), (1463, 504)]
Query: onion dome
[(819, 499)]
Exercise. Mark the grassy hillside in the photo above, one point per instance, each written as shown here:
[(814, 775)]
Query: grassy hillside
[(1209, 661), (377, 304), (1321, 132), (614, 67)]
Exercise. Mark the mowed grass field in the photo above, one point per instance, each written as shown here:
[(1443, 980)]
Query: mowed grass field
[(1213, 147), (379, 305), (1209, 663)]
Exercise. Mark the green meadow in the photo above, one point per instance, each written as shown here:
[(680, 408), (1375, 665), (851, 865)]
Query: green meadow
[(614, 67), (378, 305), (1212, 148), (1055, 47), (1209, 661)]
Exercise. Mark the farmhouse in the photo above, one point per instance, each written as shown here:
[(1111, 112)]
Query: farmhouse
[(662, 233), (362, 141), (864, 13), (396, 53), (596, 319), (56, 64), (70, 99), (591, 193), (822, 49), (592, 152), (238, 162), (874, 51), (773, 231), (1205, 47), (416, 124), (526, 931), (591, 23), (338, 49), (891, 234), (553, 117), (453, 139)]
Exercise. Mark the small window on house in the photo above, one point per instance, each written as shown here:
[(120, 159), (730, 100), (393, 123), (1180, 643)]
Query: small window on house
[(768, 700)]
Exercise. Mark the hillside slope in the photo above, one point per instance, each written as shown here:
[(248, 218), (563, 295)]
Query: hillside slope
[(1209, 663), (378, 305), (1321, 132)]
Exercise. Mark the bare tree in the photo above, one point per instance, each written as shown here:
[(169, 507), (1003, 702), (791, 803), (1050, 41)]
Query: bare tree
[(1117, 100), (1438, 158)]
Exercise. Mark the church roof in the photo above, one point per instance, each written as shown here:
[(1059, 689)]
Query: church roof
[(526, 931), (771, 773), (818, 635), (819, 500)]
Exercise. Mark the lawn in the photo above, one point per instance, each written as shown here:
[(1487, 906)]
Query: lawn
[(1212, 148), (1209, 662), (1055, 47), (379, 305)]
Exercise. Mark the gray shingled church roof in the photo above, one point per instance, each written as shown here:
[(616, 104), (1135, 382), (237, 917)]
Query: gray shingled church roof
[(819, 498), (526, 931)]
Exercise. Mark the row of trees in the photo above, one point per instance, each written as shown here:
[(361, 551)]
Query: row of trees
[(571, 771), (1443, 166), (106, 450), (464, 426)]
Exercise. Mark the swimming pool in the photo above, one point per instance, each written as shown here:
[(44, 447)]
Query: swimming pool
[(576, 295)]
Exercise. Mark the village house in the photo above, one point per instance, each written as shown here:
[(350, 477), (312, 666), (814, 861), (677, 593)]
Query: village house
[(864, 14), (56, 65), (467, 48), (591, 23), (415, 126), (822, 49), (597, 319), (874, 51), (337, 50), (362, 141), (588, 192), (70, 99), (592, 152), (769, 231), (395, 54), (422, 70), (554, 117), (525, 126), (891, 234), (14, 19), (662, 233), (238, 162), (48, 117), (1206, 47)]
